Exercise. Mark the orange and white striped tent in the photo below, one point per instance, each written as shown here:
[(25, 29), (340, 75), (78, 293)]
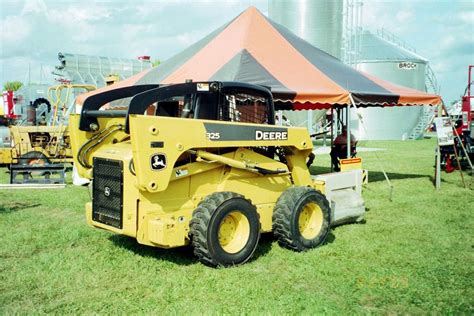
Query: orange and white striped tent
[(252, 48)]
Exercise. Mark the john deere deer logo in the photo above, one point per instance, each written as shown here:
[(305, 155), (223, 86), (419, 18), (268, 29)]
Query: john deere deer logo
[(158, 162)]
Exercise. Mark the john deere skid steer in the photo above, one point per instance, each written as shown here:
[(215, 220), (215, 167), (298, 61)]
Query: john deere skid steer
[(200, 164)]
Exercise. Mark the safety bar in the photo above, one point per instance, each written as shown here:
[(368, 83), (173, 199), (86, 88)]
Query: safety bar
[(106, 113), (92, 104), (141, 101)]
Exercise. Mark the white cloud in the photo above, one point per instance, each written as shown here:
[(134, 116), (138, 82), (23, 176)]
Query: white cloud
[(79, 14), (34, 6), (189, 38), (466, 17), (404, 16), (397, 17), (14, 29), (441, 31)]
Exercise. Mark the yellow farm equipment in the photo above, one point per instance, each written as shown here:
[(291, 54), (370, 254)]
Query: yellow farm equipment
[(209, 169), (36, 153), (62, 100)]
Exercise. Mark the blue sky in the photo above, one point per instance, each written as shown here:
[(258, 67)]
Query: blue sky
[(34, 31)]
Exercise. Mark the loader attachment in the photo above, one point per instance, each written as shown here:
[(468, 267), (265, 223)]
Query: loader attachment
[(159, 142)]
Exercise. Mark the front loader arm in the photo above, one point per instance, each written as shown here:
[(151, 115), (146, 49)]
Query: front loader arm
[(158, 142)]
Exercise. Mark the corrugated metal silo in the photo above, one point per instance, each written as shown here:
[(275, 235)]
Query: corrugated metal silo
[(389, 61), (319, 23)]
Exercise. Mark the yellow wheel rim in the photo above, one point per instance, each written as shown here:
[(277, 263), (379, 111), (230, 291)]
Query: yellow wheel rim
[(234, 232), (310, 220)]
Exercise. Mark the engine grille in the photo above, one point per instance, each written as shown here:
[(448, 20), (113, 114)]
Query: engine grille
[(107, 192)]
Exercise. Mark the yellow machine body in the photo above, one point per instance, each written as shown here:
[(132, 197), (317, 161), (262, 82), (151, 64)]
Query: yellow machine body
[(201, 163), (5, 156), (158, 205), (51, 141)]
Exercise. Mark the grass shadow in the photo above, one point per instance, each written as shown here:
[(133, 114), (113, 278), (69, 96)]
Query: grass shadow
[(375, 176), (331, 237), (315, 170), (180, 256), (11, 207), (264, 245), (268, 239)]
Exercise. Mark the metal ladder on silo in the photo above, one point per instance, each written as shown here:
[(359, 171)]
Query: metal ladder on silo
[(425, 120), (431, 84)]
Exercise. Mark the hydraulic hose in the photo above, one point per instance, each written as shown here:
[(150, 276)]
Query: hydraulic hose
[(98, 138)]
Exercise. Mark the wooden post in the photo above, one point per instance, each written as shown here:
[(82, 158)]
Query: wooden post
[(459, 165), (348, 126), (332, 132)]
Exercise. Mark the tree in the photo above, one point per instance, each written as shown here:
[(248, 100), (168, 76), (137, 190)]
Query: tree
[(12, 85), (156, 63)]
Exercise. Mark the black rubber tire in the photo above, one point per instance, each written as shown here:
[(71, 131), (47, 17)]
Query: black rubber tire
[(40, 101), (33, 155), (286, 216), (205, 224)]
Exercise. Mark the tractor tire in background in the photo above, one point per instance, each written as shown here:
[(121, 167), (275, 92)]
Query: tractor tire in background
[(33, 158), (40, 101), (225, 229), (42, 117), (301, 218)]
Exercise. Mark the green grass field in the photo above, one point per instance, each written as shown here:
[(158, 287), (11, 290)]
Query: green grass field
[(412, 255)]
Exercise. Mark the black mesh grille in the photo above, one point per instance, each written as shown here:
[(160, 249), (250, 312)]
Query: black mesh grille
[(245, 108), (107, 193)]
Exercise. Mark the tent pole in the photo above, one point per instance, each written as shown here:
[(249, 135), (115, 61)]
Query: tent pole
[(375, 152), (332, 132), (459, 165), (348, 126), (309, 122)]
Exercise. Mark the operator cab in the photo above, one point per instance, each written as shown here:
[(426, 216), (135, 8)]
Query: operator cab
[(220, 101)]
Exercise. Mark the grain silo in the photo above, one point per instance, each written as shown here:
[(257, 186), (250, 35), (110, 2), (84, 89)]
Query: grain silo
[(319, 23), (382, 56)]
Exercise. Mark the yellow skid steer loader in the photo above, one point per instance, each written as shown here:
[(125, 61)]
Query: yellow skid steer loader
[(209, 168)]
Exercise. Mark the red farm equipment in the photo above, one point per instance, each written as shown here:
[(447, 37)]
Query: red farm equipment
[(464, 128)]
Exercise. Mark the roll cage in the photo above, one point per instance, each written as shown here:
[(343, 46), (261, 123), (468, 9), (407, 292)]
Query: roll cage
[(227, 101)]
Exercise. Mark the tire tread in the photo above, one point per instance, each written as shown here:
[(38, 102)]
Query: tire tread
[(199, 224), (283, 213)]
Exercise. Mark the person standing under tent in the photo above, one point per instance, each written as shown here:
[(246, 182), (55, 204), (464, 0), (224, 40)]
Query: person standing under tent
[(339, 148)]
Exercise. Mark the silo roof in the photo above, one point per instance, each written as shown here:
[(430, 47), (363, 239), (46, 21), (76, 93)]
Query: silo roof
[(375, 48)]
